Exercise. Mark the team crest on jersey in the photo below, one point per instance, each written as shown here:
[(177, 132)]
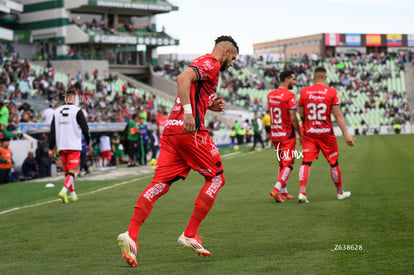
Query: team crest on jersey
[(207, 65)]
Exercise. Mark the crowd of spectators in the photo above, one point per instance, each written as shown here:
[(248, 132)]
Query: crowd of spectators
[(352, 75), (30, 95)]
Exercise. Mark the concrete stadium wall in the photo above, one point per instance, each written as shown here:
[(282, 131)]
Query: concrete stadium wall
[(72, 67), (162, 84)]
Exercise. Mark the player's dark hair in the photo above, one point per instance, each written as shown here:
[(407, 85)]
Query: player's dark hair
[(320, 70), (134, 116), (285, 74), (227, 38), (70, 91)]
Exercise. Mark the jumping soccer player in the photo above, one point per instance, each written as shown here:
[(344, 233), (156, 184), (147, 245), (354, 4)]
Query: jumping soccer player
[(186, 145), (68, 125), (315, 106), (284, 124)]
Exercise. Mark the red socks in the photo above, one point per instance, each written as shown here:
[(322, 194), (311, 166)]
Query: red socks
[(155, 190), (337, 178), (144, 205), (303, 178), (69, 184), (203, 204), (284, 174)]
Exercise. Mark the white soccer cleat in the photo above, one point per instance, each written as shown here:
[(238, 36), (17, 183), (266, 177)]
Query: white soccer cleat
[(194, 244), (302, 198), (344, 195), (129, 249)]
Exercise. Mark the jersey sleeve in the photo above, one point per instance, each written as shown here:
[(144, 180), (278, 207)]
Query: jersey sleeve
[(335, 98), (205, 68), (292, 102), (80, 118), (302, 93), (52, 134)]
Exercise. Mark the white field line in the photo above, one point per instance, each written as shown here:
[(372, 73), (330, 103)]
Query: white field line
[(84, 194), (228, 156)]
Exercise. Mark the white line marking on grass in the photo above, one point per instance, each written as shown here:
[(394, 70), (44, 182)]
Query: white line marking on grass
[(231, 155), (85, 194)]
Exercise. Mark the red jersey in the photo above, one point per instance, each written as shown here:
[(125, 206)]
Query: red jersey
[(280, 102), (202, 94), (161, 124), (317, 102)]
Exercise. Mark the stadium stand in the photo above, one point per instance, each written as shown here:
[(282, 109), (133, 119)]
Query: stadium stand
[(372, 88)]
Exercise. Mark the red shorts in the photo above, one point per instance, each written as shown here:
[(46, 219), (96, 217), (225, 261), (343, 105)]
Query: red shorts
[(286, 152), (181, 153), (106, 155), (328, 145), (70, 159)]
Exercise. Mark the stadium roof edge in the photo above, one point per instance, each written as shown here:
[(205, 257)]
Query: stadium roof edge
[(318, 35)]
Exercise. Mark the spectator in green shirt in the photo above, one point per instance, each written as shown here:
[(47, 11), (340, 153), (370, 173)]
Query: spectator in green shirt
[(117, 148), (4, 114), (134, 141)]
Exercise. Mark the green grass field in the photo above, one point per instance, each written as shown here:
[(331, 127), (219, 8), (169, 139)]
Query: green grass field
[(246, 231)]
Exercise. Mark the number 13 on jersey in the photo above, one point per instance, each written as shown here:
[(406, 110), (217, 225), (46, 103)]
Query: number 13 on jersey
[(276, 115)]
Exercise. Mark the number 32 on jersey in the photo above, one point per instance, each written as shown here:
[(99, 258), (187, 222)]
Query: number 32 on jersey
[(317, 111)]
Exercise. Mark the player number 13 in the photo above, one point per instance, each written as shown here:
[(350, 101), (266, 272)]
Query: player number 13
[(317, 111), (276, 115)]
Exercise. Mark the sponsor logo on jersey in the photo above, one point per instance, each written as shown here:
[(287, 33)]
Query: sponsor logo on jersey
[(316, 97), (276, 126), (273, 101), (207, 65), (319, 131), (174, 122), (177, 107), (318, 92), (280, 134)]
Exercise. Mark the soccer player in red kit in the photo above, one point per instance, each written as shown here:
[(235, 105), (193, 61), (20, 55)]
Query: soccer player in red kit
[(284, 124), (316, 103), (186, 145)]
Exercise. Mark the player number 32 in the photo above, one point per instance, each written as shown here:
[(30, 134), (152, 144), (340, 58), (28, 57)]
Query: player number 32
[(317, 111)]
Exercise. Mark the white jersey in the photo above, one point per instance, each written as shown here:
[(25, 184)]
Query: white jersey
[(67, 129), (104, 144)]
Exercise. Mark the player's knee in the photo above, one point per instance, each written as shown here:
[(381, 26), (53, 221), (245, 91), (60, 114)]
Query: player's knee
[(287, 164), (335, 164), (223, 179), (175, 179), (154, 191), (70, 173), (214, 185)]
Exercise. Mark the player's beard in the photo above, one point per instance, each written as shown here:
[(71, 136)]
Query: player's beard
[(224, 66), (290, 86)]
